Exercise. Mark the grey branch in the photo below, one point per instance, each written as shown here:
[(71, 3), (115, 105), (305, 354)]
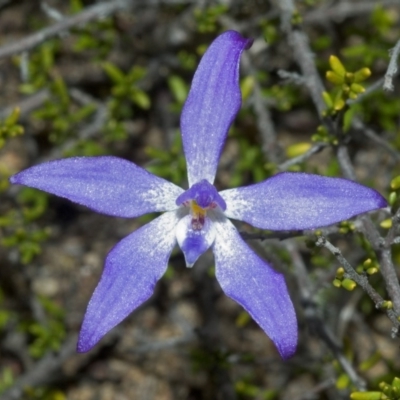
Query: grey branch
[(314, 319), (392, 68), (97, 11), (27, 105), (302, 157), (361, 280), (344, 9), (302, 54), (359, 125), (380, 246), (42, 372)]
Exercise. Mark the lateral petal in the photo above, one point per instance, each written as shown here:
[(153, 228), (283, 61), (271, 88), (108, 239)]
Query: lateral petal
[(252, 283), (131, 271), (294, 200), (108, 185), (212, 104)]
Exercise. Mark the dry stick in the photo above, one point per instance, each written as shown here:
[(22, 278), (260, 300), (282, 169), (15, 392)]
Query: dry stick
[(370, 89), (361, 280), (316, 390), (90, 13), (209, 335), (263, 117), (27, 105), (283, 235), (314, 319), (48, 369), (43, 371), (359, 125), (392, 68), (305, 58), (302, 54), (378, 243), (302, 157), (344, 9)]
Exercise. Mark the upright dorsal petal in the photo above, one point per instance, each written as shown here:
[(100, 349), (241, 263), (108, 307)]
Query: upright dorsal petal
[(212, 104)]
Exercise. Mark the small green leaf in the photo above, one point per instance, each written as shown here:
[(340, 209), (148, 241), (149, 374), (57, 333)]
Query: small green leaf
[(114, 72), (178, 88)]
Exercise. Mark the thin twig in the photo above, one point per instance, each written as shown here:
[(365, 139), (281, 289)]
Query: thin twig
[(361, 280), (314, 319), (377, 85), (344, 9), (302, 54), (302, 157), (27, 105), (359, 125), (97, 11), (291, 77), (264, 122), (392, 67), (345, 163), (368, 228)]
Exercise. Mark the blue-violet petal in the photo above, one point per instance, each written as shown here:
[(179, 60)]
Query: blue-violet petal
[(131, 271), (212, 104), (291, 201), (204, 194), (252, 283), (108, 185)]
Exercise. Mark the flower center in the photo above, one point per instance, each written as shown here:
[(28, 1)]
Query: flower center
[(202, 196), (199, 214)]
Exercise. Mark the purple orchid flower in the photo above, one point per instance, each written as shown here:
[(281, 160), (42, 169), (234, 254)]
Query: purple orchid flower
[(197, 218)]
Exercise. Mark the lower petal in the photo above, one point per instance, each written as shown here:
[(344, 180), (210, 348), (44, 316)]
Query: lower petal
[(131, 271), (252, 283), (194, 242)]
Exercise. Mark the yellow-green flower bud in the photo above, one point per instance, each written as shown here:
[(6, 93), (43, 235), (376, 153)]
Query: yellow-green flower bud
[(388, 305), (349, 77), (342, 381), (396, 383), (353, 95), (349, 284), (365, 396), (362, 74), (297, 149), (357, 88), (337, 283), (372, 270), (327, 99), (395, 183), (392, 198), (340, 272), (367, 262), (338, 104), (334, 78), (386, 224), (345, 88), (337, 65)]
